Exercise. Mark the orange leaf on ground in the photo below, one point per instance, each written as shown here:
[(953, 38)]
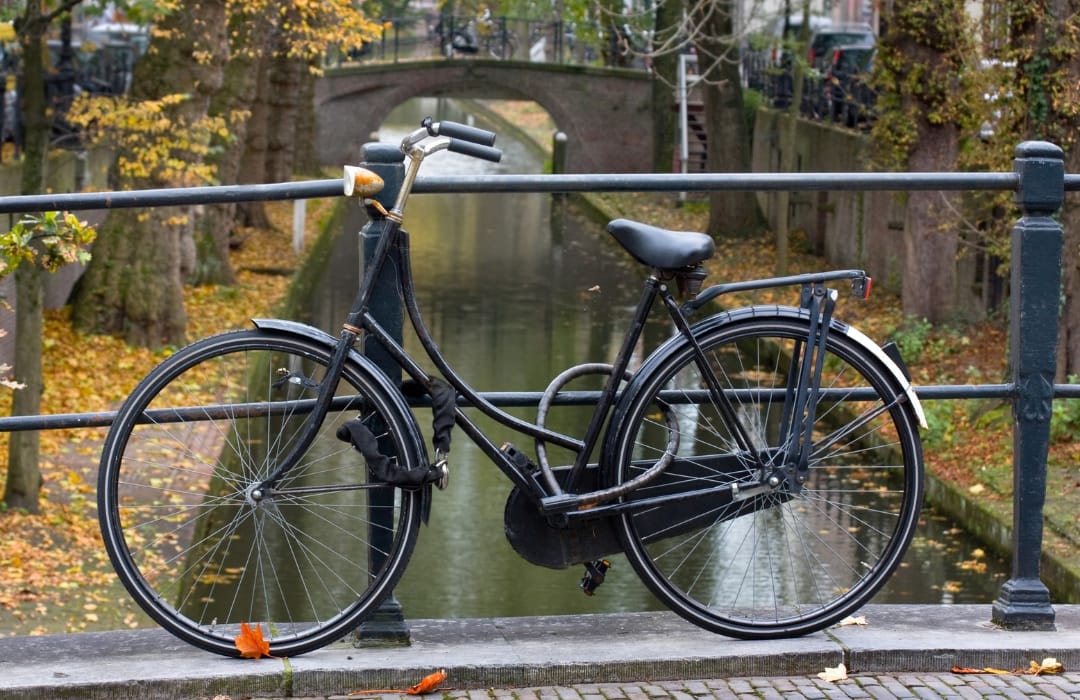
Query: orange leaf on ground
[(428, 683), (250, 642)]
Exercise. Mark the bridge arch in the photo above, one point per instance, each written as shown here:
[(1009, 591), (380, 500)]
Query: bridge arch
[(605, 113)]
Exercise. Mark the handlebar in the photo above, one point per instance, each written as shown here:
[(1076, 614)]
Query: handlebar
[(475, 150), (463, 132), (432, 136)]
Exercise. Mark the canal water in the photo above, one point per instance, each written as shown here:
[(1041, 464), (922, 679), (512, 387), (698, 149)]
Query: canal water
[(513, 299)]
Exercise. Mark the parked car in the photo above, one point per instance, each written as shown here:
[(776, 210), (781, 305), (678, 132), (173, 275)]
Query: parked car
[(846, 88), (828, 38), (767, 63)]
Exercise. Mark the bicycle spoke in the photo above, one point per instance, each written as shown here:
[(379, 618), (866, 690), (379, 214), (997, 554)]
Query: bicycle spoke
[(788, 562), (198, 539)]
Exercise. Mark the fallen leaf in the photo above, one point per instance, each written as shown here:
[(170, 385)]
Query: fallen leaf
[(250, 642), (995, 671), (832, 675), (427, 684), (1048, 665), (853, 620)]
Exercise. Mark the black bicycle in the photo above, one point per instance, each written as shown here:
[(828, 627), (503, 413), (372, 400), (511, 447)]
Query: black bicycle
[(761, 469)]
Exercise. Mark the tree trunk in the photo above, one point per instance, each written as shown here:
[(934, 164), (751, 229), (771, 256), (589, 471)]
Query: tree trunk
[(731, 213), (251, 33), (304, 159), (24, 474), (1069, 329), (286, 86), (134, 283), (665, 76), (931, 238), (23, 486), (253, 161), (924, 46), (788, 136), (1052, 96)]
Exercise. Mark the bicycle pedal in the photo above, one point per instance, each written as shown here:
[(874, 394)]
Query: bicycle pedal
[(595, 573), (519, 459)]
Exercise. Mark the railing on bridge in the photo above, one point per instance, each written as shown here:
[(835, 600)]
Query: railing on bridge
[(499, 38), (1038, 180)]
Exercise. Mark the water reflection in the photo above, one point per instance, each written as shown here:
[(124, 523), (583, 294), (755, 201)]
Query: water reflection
[(512, 303)]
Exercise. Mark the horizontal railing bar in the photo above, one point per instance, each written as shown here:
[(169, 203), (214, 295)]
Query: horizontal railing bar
[(510, 399), (625, 182)]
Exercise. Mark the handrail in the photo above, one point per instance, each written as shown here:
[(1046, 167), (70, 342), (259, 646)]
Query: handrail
[(1038, 182), (615, 182)]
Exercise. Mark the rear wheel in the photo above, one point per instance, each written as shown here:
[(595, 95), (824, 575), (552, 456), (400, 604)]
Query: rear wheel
[(782, 563), (200, 549)]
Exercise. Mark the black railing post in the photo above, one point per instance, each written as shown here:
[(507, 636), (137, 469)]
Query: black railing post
[(1024, 601), (387, 625)]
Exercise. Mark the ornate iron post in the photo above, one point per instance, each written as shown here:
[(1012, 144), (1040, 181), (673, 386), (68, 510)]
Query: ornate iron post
[(387, 626), (1024, 601)]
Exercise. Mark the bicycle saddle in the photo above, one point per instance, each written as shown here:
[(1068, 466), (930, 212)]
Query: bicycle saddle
[(660, 247)]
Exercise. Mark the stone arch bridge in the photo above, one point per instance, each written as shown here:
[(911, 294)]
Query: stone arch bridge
[(605, 113)]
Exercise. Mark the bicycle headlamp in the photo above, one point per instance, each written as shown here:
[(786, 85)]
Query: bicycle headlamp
[(361, 182)]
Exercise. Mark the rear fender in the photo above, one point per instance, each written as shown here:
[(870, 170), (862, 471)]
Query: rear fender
[(903, 384)]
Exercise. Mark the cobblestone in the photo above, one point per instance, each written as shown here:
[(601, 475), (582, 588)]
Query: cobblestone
[(946, 686)]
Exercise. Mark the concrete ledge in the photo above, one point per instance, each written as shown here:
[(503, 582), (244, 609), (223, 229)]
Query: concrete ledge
[(528, 651)]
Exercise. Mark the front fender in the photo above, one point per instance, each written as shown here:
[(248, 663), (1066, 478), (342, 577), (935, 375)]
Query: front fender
[(385, 385)]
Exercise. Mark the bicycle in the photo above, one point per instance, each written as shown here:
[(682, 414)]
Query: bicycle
[(761, 468)]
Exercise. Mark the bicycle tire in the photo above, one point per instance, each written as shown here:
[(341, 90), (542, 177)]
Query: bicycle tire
[(197, 552), (772, 565)]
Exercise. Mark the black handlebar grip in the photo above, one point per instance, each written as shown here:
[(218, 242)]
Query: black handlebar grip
[(475, 150), (466, 133)]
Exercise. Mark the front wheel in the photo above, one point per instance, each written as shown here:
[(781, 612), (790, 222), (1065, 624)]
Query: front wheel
[(787, 562), (201, 548)]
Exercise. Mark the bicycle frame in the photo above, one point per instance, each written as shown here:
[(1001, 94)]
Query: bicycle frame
[(555, 498)]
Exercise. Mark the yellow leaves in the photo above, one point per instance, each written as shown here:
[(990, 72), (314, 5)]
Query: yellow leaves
[(53, 565), (49, 241), (155, 141), (1049, 665)]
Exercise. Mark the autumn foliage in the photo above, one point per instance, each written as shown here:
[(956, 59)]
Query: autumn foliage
[(250, 642)]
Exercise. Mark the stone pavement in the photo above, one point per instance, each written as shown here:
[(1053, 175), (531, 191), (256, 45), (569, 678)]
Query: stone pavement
[(869, 686), (904, 651)]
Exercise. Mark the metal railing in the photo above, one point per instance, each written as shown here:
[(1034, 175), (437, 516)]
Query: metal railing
[(499, 38), (1038, 182)]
